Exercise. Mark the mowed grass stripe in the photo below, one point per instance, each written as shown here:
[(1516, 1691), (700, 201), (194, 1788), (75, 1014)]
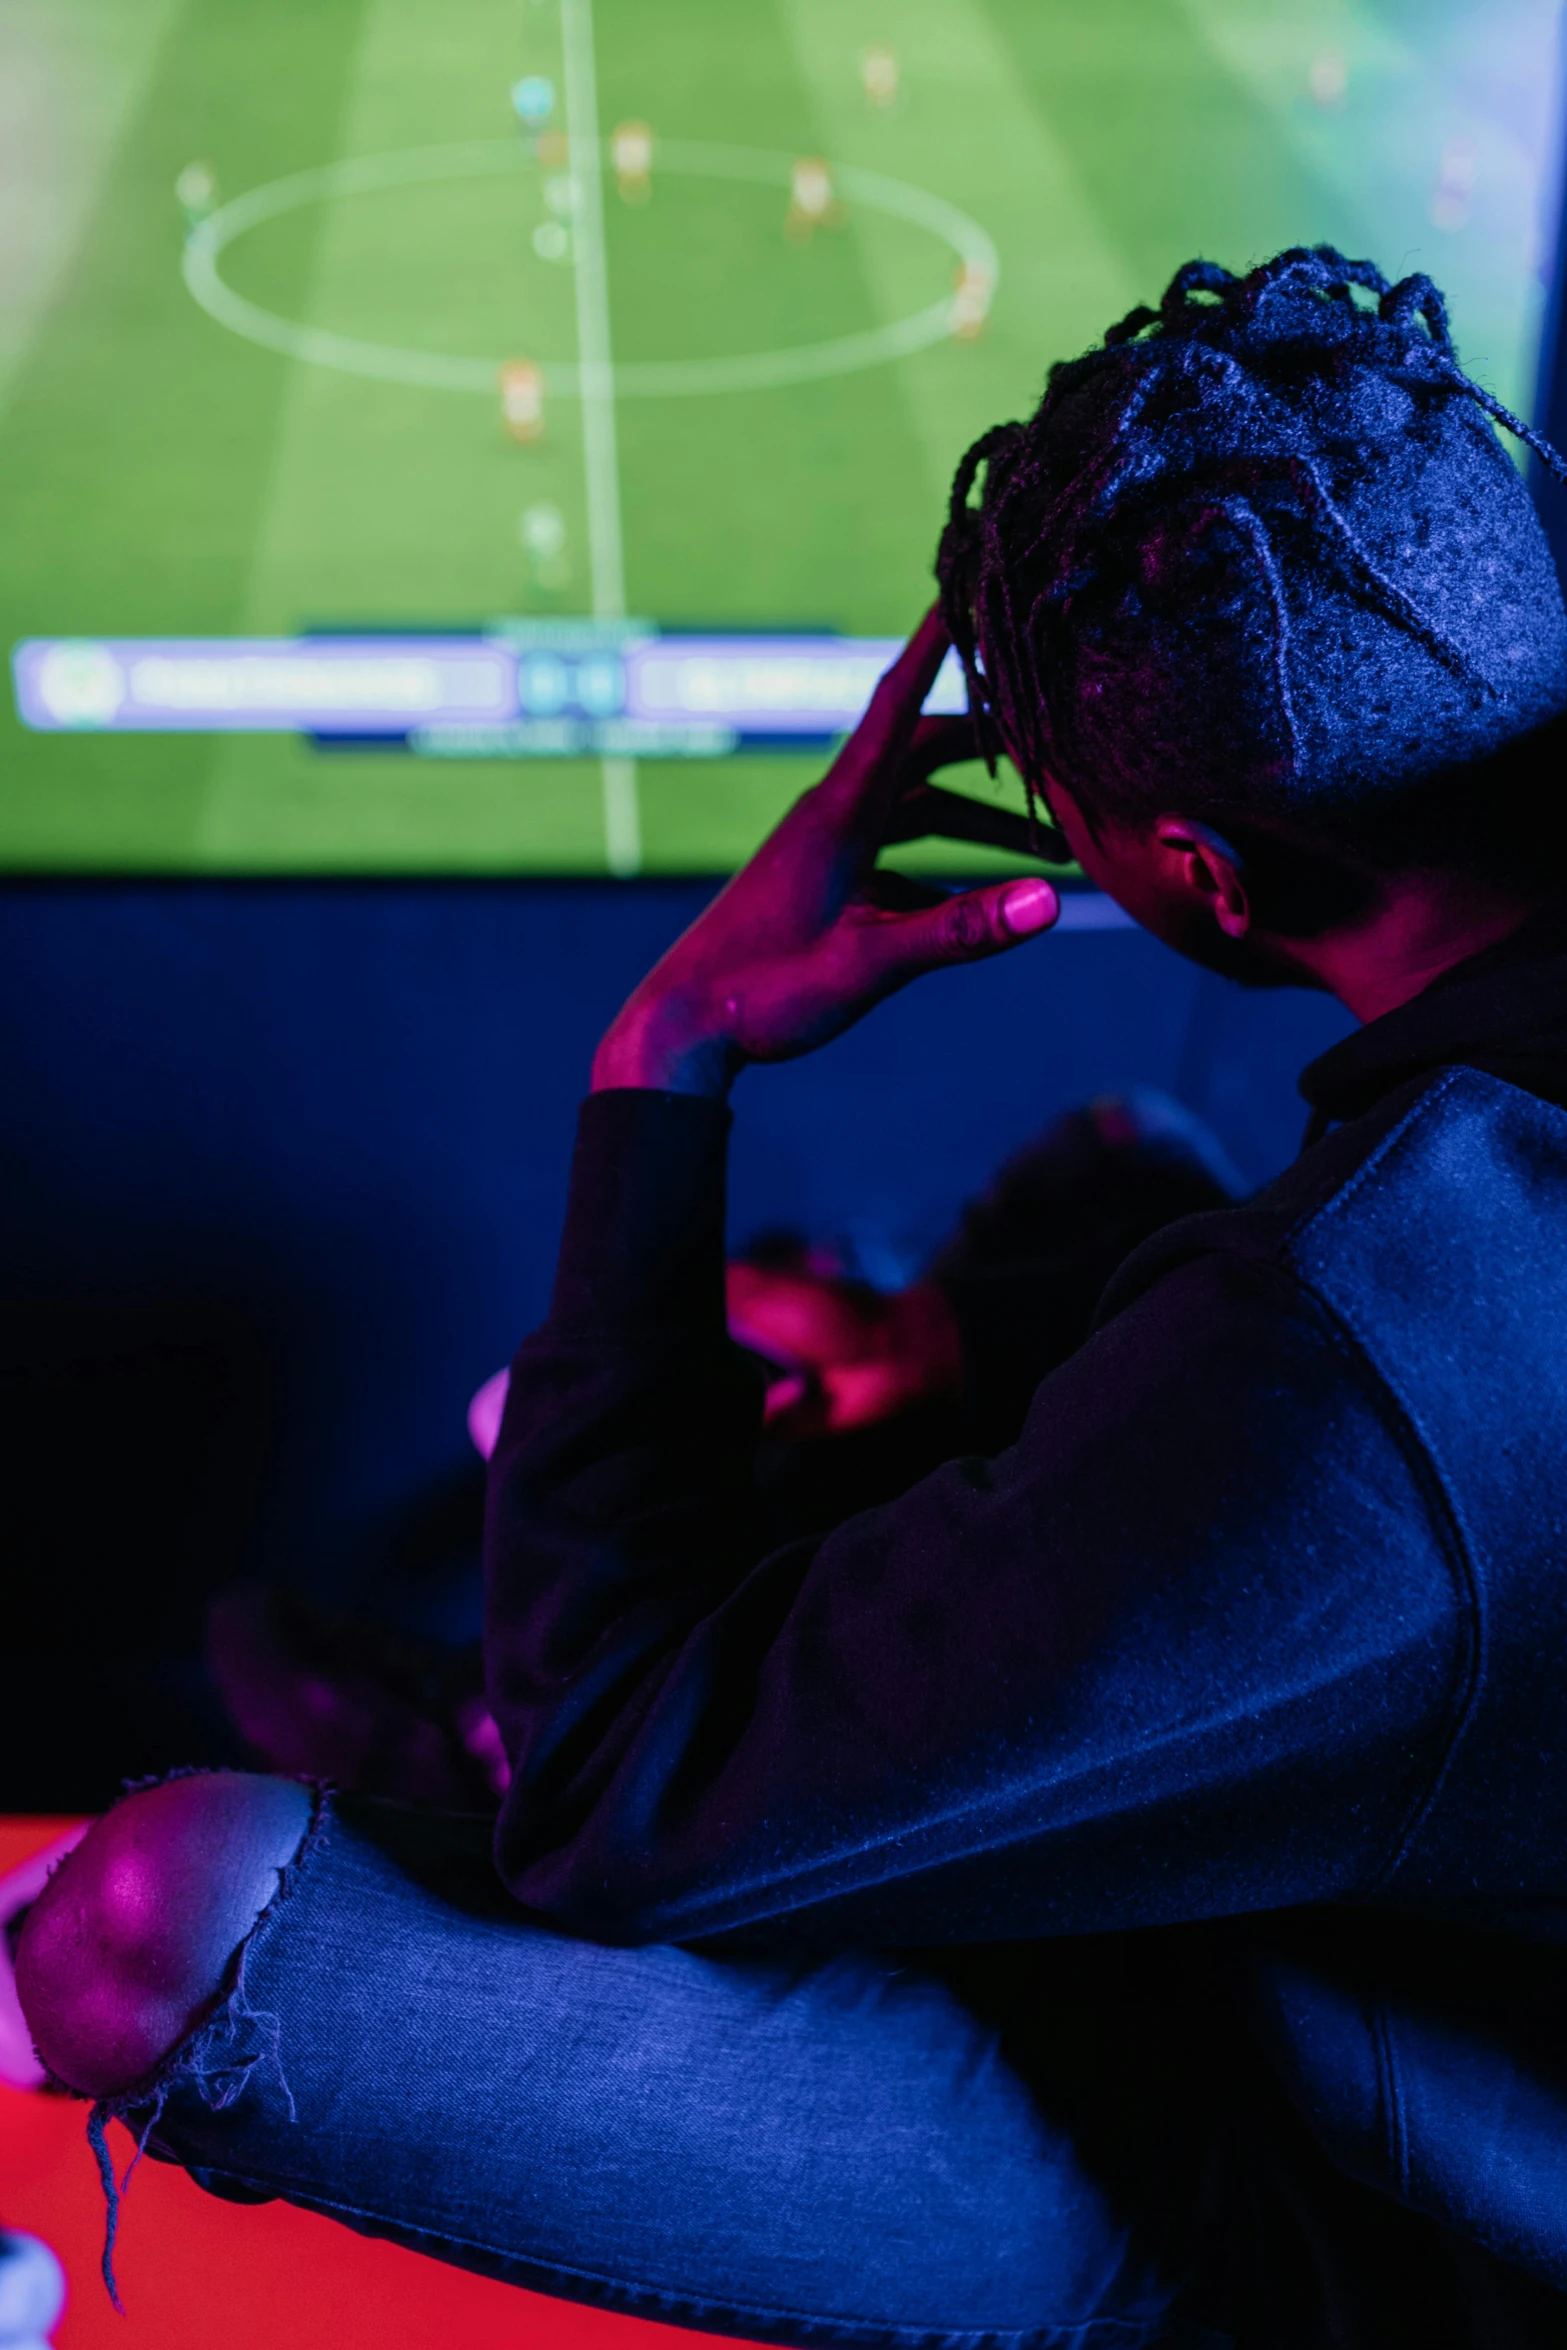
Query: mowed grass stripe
[(387, 501), (798, 505), (72, 74), (803, 505), (1175, 155), (1413, 86), (392, 505), (964, 125), (133, 452)]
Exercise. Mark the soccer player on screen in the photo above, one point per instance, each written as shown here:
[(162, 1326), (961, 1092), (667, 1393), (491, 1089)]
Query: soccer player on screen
[(196, 191), (631, 153), (522, 400), (879, 76), (813, 203), (533, 102), (1115, 1894), (971, 294)]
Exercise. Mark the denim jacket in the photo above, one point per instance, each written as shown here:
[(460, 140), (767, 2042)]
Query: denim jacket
[(1264, 1617)]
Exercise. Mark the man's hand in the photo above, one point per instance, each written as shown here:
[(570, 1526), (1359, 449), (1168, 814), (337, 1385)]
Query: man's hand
[(848, 1356), (808, 936)]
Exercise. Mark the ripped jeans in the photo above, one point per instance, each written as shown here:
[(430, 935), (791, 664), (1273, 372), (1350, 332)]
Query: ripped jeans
[(830, 2149)]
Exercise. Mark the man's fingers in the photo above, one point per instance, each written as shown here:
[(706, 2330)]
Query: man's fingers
[(948, 741), (900, 893), (866, 770), (979, 922), (926, 812), (895, 706)]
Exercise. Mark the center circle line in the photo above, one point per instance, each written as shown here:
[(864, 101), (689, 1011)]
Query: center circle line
[(637, 379)]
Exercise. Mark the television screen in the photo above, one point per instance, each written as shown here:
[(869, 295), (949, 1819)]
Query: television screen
[(510, 436)]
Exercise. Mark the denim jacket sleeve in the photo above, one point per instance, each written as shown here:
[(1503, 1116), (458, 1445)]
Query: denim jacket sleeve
[(1189, 1648)]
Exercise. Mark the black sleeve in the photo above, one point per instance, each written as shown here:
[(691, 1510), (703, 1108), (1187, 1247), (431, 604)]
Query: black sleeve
[(1190, 1647)]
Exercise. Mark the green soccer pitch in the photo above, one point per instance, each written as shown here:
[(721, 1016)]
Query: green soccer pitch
[(165, 472)]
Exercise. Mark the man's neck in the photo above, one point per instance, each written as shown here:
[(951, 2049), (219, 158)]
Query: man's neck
[(1422, 925)]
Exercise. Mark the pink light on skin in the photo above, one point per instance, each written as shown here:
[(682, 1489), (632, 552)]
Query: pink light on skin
[(19, 1888), (480, 1734), (484, 1413), (784, 1394), (790, 1319)]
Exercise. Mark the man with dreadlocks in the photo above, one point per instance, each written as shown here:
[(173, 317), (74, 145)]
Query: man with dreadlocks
[(1203, 1757)]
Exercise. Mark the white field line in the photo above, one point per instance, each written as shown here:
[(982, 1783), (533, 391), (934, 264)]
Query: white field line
[(601, 461), (644, 379), (622, 817)]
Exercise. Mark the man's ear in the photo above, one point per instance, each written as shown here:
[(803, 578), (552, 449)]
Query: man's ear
[(1209, 870)]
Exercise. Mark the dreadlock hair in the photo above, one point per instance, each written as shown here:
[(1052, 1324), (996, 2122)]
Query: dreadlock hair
[(1261, 556)]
